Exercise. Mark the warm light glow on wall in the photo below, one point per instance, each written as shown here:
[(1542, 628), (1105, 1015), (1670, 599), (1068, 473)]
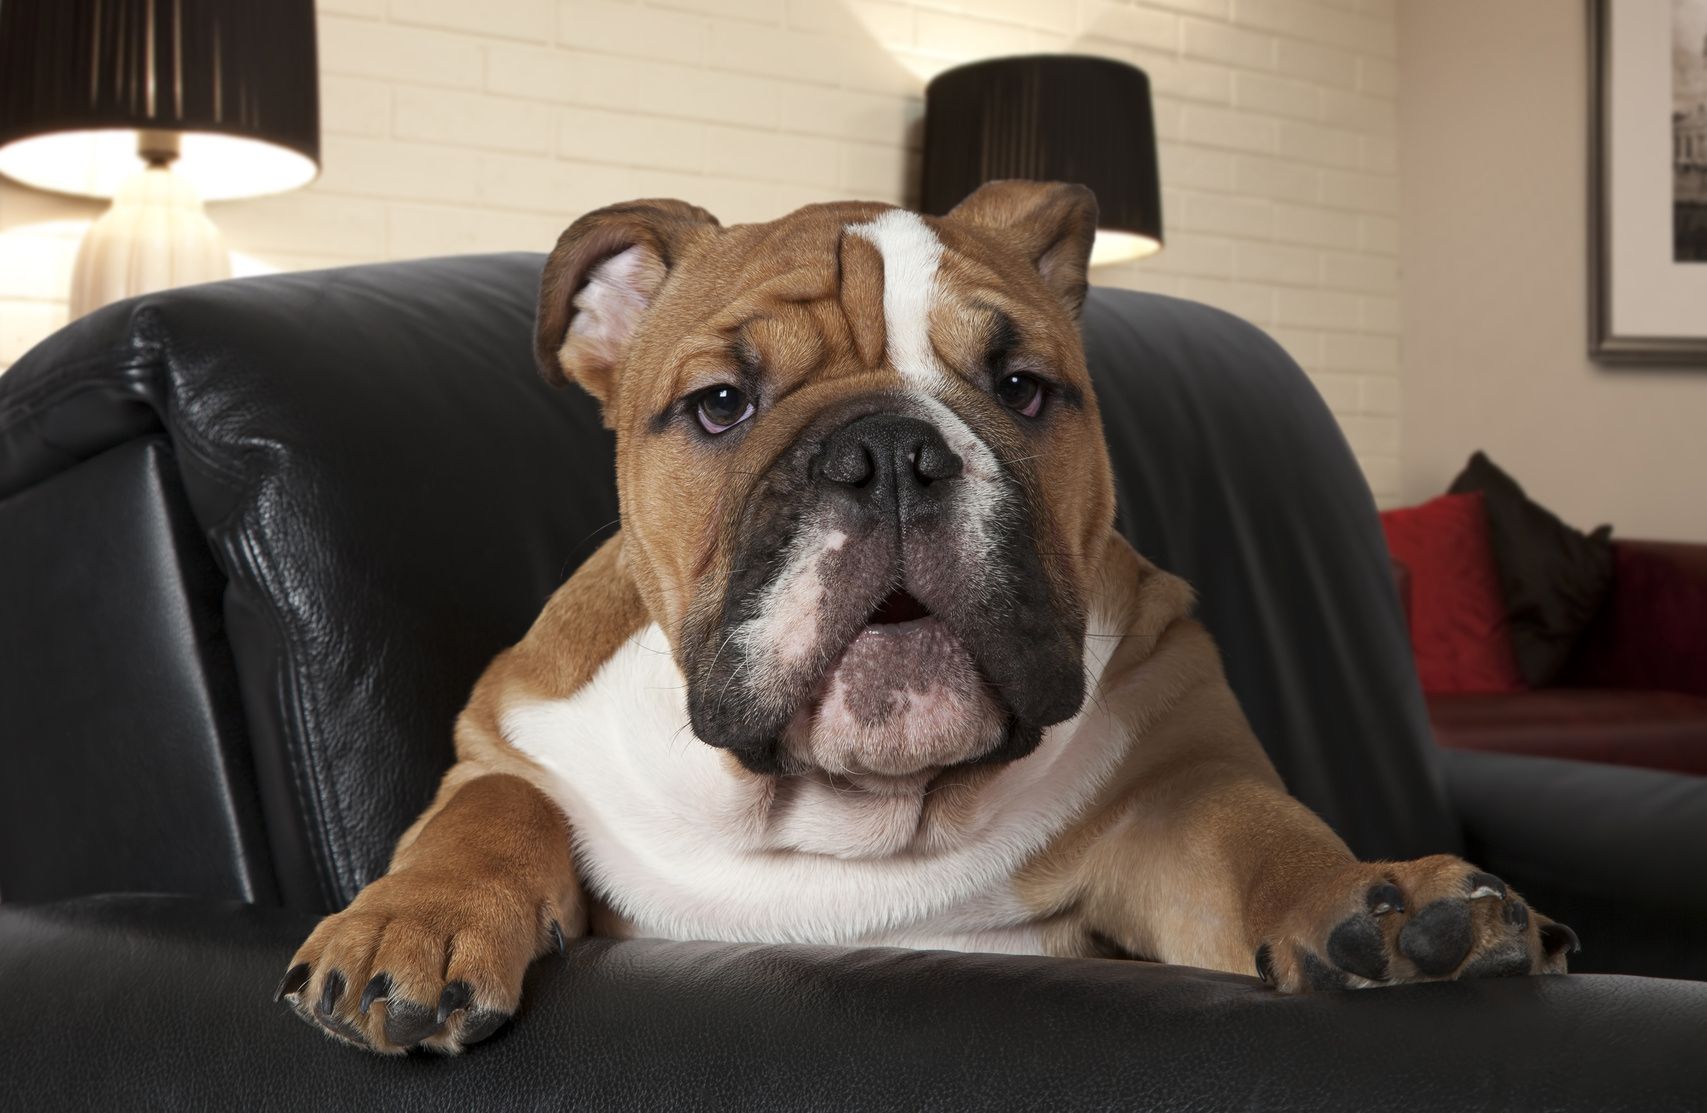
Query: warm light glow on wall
[(248, 266), (36, 257), (95, 163), (1112, 247)]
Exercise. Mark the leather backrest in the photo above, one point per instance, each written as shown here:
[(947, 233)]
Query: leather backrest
[(392, 493), (1232, 472)]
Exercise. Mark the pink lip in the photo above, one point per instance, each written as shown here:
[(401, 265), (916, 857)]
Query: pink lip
[(893, 633)]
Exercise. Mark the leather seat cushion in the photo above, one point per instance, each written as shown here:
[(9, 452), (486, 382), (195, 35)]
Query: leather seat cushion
[(125, 1002), (1655, 730)]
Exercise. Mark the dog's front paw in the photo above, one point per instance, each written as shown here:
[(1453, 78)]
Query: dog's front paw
[(1431, 919), (421, 959)]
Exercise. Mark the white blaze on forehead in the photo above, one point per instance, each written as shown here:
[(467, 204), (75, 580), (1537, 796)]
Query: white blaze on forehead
[(911, 253)]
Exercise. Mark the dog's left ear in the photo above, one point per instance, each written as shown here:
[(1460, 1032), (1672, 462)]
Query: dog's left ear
[(599, 282), (1052, 223)]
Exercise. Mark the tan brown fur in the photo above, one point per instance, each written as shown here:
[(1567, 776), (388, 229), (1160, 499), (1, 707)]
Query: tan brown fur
[(478, 881), (472, 900), (1190, 850), (1193, 853)]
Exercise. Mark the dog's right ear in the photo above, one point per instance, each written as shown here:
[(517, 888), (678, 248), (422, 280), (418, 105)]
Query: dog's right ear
[(599, 282)]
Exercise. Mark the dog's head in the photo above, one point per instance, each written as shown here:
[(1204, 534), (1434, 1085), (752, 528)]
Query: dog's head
[(862, 473)]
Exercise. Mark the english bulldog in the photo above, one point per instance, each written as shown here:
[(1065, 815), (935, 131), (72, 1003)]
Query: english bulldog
[(867, 662)]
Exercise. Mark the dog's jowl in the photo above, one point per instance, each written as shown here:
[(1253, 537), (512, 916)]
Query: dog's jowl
[(867, 662)]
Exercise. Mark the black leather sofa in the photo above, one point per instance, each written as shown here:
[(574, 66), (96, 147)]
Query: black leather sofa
[(258, 538)]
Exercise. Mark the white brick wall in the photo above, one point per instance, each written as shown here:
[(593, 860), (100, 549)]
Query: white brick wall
[(453, 126)]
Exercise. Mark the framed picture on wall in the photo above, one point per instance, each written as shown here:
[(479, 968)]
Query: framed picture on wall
[(1648, 181)]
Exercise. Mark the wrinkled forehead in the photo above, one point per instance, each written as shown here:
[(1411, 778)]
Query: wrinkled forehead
[(847, 287)]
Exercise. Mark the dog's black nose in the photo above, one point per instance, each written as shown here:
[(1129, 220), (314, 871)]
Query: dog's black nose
[(887, 463)]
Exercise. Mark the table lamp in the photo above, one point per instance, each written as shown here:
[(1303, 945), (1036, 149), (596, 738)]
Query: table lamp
[(1050, 117), (159, 105)]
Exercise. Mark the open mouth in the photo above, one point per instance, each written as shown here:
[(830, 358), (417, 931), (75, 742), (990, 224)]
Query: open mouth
[(903, 696), (897, 607)]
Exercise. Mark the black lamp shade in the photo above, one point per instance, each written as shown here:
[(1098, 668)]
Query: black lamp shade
[(1047, 117), (235, 81)]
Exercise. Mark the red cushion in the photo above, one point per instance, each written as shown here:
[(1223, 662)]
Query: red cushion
[(1458, 616)]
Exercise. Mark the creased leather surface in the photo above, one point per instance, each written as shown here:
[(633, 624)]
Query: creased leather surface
[(169, 995), (389, 489)]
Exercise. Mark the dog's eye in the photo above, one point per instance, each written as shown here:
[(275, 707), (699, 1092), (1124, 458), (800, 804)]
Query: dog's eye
[(722, 407), (1023, 394)]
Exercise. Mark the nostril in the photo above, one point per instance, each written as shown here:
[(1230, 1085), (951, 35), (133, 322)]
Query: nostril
[(935, 460), (884, 453), (848, 464)]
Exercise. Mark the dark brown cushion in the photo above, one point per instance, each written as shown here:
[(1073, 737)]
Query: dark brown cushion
[(1553, 577)]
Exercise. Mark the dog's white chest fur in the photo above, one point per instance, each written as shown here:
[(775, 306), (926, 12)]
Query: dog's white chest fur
[(684, 847)]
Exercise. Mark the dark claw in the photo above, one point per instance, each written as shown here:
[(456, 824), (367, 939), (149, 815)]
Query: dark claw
[(379, 986), (1558, 937), (1438, 937), (1356, 946), (1517, 914), (293, 981), (480, 1024), (407, 1023), (1265, 963), (1479, 880), (330, 992), (557, 936), (340, 1027), (1384, 898), (455, 996)]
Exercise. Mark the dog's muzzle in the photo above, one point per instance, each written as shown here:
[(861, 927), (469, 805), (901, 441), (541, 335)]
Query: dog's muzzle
[(887, 610)]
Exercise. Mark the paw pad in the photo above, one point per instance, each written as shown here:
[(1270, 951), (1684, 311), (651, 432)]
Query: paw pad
[(1321, 977), (1438, 938), (1424, 920), (1357, 946)]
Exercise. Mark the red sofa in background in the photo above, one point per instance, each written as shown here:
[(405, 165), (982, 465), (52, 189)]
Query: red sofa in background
[(1635, 689)]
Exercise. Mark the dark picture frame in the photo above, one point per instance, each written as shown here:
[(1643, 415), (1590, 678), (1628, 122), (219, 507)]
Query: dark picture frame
[(1605, 344)]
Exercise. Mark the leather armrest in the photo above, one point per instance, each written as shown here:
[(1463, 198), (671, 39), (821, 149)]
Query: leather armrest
[(387, 492), (118, 694), (1649, 634), (1610, 831), (1619, 853), (165, 1003)]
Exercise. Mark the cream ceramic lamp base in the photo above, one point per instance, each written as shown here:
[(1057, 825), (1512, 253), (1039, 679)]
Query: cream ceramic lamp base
[(157, 235)]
